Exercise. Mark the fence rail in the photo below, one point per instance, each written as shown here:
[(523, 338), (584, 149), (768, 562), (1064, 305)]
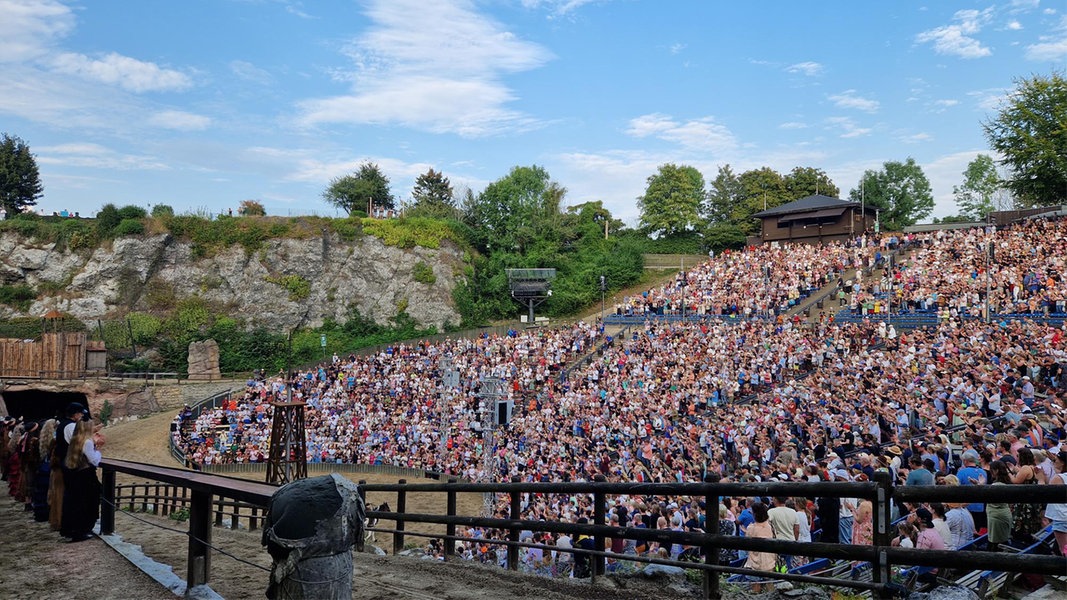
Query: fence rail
[(204, 487)]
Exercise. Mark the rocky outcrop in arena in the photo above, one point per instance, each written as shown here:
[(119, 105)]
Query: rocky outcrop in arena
[(150, 272)]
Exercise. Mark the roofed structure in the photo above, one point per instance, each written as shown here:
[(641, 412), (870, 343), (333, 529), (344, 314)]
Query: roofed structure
[(815, 219)]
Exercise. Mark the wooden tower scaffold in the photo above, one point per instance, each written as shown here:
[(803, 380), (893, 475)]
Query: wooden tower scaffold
[(287, 460)]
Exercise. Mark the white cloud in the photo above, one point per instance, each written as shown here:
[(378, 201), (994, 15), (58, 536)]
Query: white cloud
[(989, 99), (916, 138), (793, 125), (29, 28), (676, 48), (1014, 26), (697, 134), (849, 99), (128, 73), (846, 127), (809, 69), (179, 120), (95, 156), (1052, 48), (431, 66), (957, 39), (557, 8), (946, 103), (250, 72)]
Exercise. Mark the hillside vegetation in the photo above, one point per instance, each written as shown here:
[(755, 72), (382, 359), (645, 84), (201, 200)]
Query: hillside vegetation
[(153, 329)]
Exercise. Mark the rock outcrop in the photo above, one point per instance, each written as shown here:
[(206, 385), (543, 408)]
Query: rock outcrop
[(152, 272), (204, 361)]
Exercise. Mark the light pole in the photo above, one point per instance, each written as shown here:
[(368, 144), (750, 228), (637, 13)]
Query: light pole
[(603, 288)]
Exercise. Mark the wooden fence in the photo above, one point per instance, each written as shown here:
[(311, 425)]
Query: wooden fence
[(54, 356), (204, 487), (174, 501)]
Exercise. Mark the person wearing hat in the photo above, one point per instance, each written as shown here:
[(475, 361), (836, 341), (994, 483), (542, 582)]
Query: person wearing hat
[(927, 539), (972, 474)]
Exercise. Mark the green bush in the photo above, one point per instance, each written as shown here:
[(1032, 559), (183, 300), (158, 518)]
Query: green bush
[(423, 273), (129, 227), (408, 233), (17, 296), (107, 220), (161, 211), (132, 212), (298, 287)]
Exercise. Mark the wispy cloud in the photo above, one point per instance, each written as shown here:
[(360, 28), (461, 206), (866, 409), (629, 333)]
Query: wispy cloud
[(29, 28), (849, 99), (697, 134), (808, 68), (915, 138), (179, 120), (957, 39), (128, 73), (844, 127), (250, 72), (558, 8), (676, 48), (436, 67), (94, 155), (793, 125), (1053, 47), (989, 99)]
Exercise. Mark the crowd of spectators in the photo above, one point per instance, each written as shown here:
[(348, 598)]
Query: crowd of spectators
[(752, 400), (950, 272)]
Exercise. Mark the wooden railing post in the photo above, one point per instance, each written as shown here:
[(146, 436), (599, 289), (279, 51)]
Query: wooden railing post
[(710, 579), (199, 561), (401, 507), (599, 514), (514, 514), (882, 522), (363, 498), (450, 529), (107, 503)]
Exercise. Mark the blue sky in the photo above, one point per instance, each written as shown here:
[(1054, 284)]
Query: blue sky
[(201, 104)]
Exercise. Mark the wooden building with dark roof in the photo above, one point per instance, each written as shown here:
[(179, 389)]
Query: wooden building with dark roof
[(815, 219)]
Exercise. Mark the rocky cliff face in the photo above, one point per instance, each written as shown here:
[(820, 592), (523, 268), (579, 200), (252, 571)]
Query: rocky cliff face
[(146, 273)]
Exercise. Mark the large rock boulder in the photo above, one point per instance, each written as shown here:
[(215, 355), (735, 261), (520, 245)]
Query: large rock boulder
[(204, 361)]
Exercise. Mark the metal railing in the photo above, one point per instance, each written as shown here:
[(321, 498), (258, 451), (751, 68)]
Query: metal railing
[(880, 554)]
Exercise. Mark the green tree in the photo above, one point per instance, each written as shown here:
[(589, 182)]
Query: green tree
[(671, 202), (900, 190), (1030, 132), (516, 211), (802, 182), (20, 182), (433, 196), (977, 196), (354, 192)]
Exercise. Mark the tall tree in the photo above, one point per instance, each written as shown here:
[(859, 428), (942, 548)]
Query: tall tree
[(517, 210), (433, 195), (981, 189), (901, 190), (802, 182), (1030, 132), (355, 192), (20, 182), (671, 202), (724, 192)]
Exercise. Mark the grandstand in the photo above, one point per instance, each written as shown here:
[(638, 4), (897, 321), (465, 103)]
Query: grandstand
[(789, 363)]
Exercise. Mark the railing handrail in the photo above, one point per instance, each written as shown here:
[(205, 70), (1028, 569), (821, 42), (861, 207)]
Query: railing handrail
[(880, 554)]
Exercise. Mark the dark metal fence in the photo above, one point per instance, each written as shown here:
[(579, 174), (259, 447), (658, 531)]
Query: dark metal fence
[(203, 488)]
